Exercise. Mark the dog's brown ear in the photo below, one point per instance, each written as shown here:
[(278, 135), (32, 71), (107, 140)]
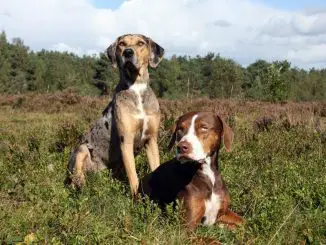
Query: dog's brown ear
[(227, 135), (173, 137), (110, 51), (156, 54)]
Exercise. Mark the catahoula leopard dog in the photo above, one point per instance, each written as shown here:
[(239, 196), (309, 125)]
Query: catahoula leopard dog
[(130, 121)]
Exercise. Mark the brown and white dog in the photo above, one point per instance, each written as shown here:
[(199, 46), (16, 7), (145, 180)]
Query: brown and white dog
[(130, 121), (193, 176)]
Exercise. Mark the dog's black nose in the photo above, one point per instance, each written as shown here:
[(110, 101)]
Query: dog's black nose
[(128, 53)]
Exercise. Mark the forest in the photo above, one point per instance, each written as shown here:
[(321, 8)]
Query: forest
[(178, 77)]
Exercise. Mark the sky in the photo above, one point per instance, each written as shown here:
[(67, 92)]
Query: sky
[(244, 30)]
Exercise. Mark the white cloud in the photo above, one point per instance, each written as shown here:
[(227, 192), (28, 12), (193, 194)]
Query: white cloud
[(240, 29), (62, 47)]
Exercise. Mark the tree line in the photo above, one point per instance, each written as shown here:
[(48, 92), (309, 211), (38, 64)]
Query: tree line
[(23, 70)]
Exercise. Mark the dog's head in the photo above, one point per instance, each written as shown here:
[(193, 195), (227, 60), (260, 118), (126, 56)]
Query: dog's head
[(198, 135), (136, 51)]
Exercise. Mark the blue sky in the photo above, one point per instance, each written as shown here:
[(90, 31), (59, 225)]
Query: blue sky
[(111, 4), (281, 4), (295, 4)]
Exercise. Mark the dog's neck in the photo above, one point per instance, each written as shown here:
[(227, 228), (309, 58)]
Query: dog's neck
[(131, 76), (210, 160), (214, 158)]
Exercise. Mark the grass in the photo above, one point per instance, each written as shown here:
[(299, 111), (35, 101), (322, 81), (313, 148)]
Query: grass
[(276, 177)]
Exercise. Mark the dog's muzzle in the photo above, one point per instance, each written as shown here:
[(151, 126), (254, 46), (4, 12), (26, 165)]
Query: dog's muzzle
[(128, 53), (129, 59), (184, 150)]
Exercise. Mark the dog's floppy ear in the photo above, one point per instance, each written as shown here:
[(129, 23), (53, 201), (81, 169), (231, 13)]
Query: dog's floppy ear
[(156, 54), (227, 134), (110, 51), (173, 137)]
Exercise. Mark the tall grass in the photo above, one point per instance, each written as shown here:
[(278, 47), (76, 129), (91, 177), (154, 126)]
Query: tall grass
[(275, 174)]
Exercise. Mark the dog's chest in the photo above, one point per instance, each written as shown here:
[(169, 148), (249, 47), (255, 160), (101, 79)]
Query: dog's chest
[(138, 90), (213, 203), (140, 113)]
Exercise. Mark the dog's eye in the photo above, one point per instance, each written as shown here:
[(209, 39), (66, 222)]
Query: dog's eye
[(122, 44), (203, 128), (179, 132), (140, 43)]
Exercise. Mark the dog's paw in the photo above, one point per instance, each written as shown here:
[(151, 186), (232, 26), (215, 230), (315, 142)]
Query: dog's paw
[(230, 220), (75, 181), (137, 197)]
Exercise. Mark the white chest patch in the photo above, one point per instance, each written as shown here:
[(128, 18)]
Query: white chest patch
[(213, 204), (208, 171), (138, 89)]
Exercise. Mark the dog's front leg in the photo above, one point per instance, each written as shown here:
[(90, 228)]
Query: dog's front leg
[(127, 151), (153, 153)]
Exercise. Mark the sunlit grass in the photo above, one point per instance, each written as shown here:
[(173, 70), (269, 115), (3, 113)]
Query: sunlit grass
[(276, 179)]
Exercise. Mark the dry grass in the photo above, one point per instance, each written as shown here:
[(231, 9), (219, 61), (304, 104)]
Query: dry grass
[(293, 114), (275, 173)]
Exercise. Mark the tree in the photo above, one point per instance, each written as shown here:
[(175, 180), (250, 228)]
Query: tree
[(211, 75), (4, 64), (105, 78), (276, 88)]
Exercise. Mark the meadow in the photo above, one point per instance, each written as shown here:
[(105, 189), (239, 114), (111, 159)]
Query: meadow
[(276, 174)]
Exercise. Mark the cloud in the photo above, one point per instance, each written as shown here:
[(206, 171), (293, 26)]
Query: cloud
[(240, 29), (62, 47), (222, 23), (311, 24), (5, 13)]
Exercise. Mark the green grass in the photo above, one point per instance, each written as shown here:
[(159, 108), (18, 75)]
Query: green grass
[(277, 181)]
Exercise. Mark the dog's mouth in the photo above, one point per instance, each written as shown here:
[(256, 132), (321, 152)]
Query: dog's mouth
[(188, 158), (130, 68)]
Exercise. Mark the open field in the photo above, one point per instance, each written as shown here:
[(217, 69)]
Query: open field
[(276, 175)]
